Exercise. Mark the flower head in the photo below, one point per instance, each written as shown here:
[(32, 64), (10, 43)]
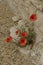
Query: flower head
[(33, 17), (24, 34), (16, 32), (22, 42), (9, 39)]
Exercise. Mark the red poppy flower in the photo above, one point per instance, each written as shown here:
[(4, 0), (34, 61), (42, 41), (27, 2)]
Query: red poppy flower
[(24, 34), (23, 42), (33, 17), (9, 39), (16, 32)]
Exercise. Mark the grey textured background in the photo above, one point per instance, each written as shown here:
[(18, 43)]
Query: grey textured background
[(9, 53)]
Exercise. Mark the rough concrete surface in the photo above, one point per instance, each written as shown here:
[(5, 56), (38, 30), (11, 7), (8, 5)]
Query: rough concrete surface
[(9, 53)]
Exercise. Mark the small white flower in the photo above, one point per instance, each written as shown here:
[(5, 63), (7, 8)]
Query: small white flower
[(15, 18), (13, 34), (20, 23)]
